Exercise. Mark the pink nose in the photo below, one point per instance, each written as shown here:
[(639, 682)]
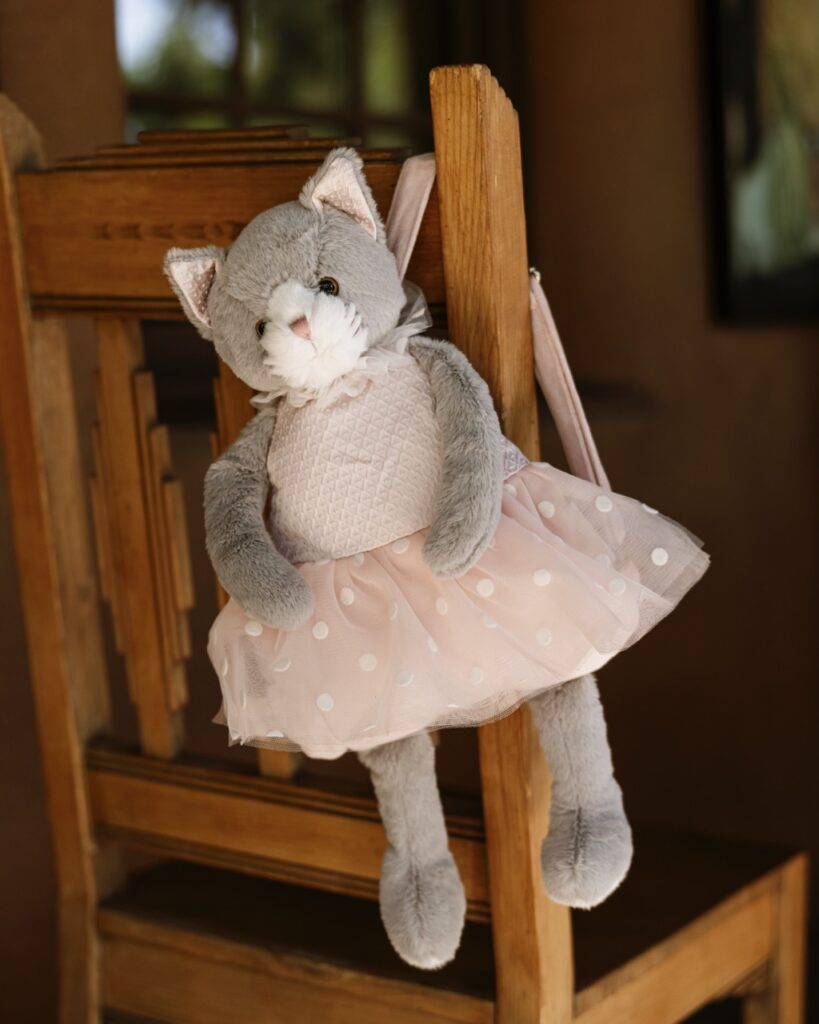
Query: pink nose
[(302, 328)]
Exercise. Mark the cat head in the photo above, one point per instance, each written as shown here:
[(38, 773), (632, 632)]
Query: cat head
[(305, 289)]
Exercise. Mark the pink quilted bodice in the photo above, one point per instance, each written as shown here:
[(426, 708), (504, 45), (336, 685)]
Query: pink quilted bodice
[(358, 473)]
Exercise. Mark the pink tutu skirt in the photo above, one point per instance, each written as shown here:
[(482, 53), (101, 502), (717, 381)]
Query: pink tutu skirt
[(573, 576)]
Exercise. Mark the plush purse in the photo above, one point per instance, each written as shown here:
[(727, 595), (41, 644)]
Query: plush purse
[(416, 571)]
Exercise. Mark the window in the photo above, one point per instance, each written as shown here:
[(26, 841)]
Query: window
[(345, 67)]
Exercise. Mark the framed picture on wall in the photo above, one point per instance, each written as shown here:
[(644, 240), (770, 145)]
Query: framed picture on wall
[(764, 57)]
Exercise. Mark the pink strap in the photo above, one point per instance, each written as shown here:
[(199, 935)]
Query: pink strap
[(558, 387), (409, 202)]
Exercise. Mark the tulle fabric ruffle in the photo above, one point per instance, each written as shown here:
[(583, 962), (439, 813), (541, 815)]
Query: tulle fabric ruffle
[(573, 576)]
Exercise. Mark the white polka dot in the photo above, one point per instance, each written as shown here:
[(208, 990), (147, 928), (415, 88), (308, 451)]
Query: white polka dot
[(544, 637), (368, 662), (320, 630), (476, 675), (276, 734), (253, 628), (358, 560), (346, 595), (651, 511), (603, 559), (617, 586), (400, 546), (282, 665), (324, 702), (225, 667), (603, 503), (547, 509), (511, 489), (404, 678), (541, 578), (432, 645), (489, 622), (659, 556), (441, 606), (486, 588), (393, 612)]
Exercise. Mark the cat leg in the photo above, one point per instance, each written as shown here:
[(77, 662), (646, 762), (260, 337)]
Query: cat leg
[(421, 895), (587, 852)]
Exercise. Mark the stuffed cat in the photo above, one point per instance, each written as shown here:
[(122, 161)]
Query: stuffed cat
[(414, 571)]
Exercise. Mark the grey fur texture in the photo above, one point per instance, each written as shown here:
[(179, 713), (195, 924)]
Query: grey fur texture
[(468, 499), (588, 850), (244, 557), (293, 241), (421, 895)]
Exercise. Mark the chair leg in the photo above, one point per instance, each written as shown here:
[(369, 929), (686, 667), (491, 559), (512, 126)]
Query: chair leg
[(782, 999)]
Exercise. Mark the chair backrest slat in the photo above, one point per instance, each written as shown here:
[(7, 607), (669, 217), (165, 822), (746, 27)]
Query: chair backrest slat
[(151, 627), (94, 240)]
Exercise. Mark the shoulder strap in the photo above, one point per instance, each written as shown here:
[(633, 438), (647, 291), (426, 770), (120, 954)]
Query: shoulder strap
[(409, 202), (559, 390)]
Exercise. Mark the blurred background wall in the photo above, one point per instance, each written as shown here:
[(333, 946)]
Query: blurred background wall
[(714, 717)]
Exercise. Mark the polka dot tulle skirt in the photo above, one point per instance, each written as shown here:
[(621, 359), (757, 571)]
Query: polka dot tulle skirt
[(573, 576)]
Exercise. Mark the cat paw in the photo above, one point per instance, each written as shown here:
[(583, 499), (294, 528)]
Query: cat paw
[(423, 909), (450, 551), (586, 855), (286, 603)]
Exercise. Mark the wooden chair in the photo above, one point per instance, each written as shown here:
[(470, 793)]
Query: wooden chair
[(259, 901)]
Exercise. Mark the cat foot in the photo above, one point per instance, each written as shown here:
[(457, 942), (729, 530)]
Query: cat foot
[(423, 909), (586, 855)]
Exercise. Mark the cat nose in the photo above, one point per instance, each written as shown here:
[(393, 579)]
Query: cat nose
[(302, 328)]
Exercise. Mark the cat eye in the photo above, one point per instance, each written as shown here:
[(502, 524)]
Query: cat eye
[(260, 326), (328, 285)]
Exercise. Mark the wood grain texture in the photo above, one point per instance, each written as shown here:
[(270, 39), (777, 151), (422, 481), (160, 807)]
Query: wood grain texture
[(94, 240), (226, 156), (261, 826), (65, 707), (161, 136), (484, 252), (778, 997), (792, 940), (193, 142), (125, 409), (700, 963), (161, 972)]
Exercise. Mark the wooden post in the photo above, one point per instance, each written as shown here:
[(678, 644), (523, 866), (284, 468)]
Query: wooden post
[(780, 997), (483, 229), (58, 591)]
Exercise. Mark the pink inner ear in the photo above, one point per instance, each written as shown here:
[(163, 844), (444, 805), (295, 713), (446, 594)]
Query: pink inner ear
[(195, 278), (340, 189)]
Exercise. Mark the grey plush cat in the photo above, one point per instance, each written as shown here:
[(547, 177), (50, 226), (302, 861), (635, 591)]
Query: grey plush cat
[(416, 571)]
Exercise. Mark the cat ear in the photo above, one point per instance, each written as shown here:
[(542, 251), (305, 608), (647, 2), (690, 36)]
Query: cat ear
[(191, 273), (340, 183)]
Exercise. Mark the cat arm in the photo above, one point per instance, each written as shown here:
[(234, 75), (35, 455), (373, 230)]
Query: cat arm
[(241, 549), (468, 501)]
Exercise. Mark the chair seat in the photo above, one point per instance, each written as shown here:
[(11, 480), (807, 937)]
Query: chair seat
[(234, 946)]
